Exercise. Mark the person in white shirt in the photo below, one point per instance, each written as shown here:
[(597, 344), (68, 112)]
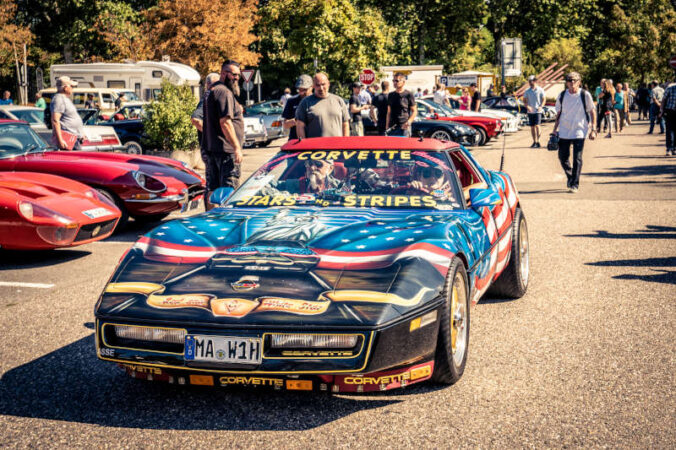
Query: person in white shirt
[(534, 98), (575, 112), (441, 96), (287, 95)]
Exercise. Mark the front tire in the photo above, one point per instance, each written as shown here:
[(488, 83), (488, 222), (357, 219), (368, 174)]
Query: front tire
[(453, 341), (124, 217), (513, 282), (133, 148), (482, 136), (441, 135)]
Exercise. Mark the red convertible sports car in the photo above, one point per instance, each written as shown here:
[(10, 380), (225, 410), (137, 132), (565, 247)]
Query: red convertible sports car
[(147, 188), (40, 211)]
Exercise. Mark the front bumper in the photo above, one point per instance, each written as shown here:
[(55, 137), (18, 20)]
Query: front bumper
[(185, 201), (387, 351), (255, 138)]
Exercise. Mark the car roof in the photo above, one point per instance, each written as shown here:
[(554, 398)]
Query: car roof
[(368, 143), (17, 107)]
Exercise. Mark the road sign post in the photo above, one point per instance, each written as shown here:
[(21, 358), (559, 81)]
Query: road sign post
[(247, 74), (258, 81), (510, 53)]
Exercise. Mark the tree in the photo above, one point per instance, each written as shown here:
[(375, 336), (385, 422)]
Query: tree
[(562, 51), (123, 29), (12, 39), (303, 36), (204, 33), (167, 121)]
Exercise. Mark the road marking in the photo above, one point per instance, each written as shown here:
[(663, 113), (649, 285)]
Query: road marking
[(26, 285)]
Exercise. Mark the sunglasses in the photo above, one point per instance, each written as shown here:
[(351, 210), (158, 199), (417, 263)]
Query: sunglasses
[(237, 75), (571, 79), (431, 172), (315, 163)]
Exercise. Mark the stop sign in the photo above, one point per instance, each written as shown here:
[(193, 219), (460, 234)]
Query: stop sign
[(672, 62), (367, 76)]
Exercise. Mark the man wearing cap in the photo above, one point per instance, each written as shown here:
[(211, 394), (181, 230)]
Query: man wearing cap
[(304, 88), (534, 99), (322, 114), (67, 125), (356, 107)]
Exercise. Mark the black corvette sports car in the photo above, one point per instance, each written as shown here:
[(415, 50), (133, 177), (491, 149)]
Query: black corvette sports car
[(343, 264)]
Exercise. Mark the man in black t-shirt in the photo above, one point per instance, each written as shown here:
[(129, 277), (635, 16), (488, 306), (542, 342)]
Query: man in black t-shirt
[(379, 107), (356, 107), (401, 108), (304, 87), (223, 130), (476, 98)]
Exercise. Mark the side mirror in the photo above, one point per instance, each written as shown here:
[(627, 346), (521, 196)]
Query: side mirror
[(221, 195), (484, 197)]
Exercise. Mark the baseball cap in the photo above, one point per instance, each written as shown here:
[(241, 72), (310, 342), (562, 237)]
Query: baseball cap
[(532, 78), (65, 81), (356, 84), (304, 82)]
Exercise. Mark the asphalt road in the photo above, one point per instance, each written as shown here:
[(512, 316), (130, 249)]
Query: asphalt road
[(586, 358)]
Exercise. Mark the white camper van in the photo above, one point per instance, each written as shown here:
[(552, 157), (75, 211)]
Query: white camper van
[(143, 77)]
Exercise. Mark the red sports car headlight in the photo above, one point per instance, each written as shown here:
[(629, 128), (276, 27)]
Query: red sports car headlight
[(148, 183), (58, 235), (34, 212)]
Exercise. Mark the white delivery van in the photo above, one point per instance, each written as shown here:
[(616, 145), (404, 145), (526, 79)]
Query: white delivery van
[(144, 78)]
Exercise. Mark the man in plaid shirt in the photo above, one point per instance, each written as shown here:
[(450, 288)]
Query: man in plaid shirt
[(668, 111)]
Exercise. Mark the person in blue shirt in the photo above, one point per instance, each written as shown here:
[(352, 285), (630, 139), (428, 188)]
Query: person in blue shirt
[(6, 99), (620, 99)]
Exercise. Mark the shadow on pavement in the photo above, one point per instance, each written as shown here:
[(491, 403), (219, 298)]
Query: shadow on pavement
[(132, 231), (662, 276), (18, 259), (637, 171), (650, 232), (545, 191), (71, 384)]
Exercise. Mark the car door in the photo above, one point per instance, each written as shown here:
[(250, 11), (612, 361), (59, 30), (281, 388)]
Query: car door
[(495, 220)]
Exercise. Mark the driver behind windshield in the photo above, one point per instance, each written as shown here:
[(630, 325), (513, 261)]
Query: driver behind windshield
[(318, 177), (431, 180)]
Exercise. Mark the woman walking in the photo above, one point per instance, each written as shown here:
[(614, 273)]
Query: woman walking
[(620, 112), (606, 100)]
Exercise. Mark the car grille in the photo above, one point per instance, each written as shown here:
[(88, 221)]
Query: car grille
[(87, 231), (195, 190)]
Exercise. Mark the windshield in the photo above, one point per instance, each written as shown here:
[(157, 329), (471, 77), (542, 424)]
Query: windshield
[(445, 108), (17, 139), (130, 96), (34, 116), (392, 179), (264, 108)]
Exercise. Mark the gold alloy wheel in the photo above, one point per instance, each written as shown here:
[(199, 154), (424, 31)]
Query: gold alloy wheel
[(458, 320)]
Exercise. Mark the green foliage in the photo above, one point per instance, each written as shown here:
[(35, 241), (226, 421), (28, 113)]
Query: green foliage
[(167, 122), (562, 51), (122, 28), (338, 37)]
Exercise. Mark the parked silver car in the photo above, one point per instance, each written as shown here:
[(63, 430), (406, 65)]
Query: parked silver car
[(271, 114)]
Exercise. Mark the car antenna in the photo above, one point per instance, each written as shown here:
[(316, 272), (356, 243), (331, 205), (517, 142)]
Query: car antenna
[(502, 158)]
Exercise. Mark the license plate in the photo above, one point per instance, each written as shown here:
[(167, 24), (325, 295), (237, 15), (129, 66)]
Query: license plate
[(223, 349), (96, 213), (192, 204)]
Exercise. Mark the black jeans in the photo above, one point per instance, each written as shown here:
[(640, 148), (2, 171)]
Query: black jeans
[(572, 173), (670, 122)]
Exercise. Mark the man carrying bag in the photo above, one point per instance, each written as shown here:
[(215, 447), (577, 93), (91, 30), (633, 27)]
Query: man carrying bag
[(575, 112)]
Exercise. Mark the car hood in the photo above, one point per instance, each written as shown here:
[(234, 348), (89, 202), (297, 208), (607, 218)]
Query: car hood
[(90, 167), (286, 266)]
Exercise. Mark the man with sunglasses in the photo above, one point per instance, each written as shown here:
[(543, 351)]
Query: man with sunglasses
[(431, 180), (318, 177), (574, 122), (401, 107), (223, 129)]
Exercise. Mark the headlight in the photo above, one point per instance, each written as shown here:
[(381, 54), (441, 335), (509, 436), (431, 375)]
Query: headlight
[(147, 182), (313, 341), (171, 336), (34, 212)]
